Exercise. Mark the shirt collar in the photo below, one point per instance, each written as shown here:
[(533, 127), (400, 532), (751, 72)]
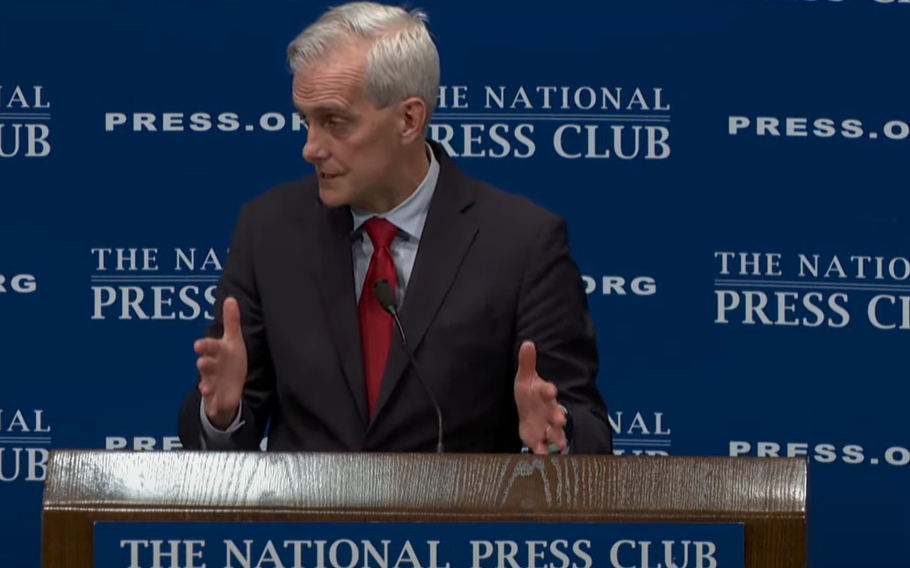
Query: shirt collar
[(410, 214)]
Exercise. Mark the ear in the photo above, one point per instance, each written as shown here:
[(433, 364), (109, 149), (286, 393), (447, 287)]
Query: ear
[(413, 115)]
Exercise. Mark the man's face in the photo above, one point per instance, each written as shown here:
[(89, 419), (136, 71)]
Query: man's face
[(352, 143)]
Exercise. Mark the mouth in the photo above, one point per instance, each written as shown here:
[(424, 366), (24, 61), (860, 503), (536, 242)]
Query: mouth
[(326, 176)]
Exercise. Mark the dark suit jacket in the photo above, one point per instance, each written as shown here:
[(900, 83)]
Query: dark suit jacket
[(492, 270)]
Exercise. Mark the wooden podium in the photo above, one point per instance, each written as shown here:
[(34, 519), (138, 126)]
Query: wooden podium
[(767, 495)]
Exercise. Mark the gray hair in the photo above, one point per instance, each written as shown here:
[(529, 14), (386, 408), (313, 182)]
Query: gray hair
[(402, 60)]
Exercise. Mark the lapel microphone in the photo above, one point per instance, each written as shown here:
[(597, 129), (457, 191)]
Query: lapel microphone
[(382, 290)]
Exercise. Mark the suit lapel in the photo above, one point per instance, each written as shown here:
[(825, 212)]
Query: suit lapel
[(447, 236), (334, 276)]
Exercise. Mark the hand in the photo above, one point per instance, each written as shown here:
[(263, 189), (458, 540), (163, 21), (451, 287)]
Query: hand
[(540, 420), (222, 365)]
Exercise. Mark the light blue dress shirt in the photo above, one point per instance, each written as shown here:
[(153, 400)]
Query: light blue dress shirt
[(409, 216)]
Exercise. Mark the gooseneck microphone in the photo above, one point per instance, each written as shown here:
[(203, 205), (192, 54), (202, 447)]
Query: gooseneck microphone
[(382, 290)]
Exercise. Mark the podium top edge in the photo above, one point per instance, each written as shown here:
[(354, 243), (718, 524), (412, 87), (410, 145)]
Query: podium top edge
[(183, 479)]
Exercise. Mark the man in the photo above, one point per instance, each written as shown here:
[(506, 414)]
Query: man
[(491, 302)]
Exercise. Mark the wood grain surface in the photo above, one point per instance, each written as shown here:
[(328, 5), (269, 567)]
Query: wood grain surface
[(768, 495)]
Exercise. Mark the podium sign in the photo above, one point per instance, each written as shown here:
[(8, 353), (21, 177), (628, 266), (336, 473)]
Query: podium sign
[(381, 544), (385, 510)]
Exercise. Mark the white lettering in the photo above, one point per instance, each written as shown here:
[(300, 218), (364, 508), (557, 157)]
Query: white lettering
[(583, 97), (639, 286), (670, 555), (231, 551), (157, 553), (478, 141), (334, 558), (756, 303), (614, 553), (19, 283), (135, 302), (579, 548), (480, 549), (897, 456), (191, 552), (134, 550), (704, 551), (36, 143), (269, 554)]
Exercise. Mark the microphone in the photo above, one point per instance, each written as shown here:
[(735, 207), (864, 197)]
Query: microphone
[(382, 290)]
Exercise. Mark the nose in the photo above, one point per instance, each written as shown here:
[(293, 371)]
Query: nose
[(313, 151)]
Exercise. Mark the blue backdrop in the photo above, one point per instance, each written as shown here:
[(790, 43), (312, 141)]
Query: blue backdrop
[(734, 175)]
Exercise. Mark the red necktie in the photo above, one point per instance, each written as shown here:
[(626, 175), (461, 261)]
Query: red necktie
[(375, 322)]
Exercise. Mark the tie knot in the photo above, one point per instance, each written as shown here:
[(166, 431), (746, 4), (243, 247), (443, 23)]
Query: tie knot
[(381, 231)]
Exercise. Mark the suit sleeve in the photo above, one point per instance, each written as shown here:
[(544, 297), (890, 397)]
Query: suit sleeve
[(238, 280), (553, 313)]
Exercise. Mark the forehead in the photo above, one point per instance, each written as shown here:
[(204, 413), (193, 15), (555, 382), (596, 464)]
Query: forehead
[(334, 80)]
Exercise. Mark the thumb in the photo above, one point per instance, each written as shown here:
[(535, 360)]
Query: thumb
[(231, 317), (527, 359)]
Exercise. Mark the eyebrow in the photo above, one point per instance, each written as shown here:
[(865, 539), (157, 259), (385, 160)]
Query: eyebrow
[(325, 109)]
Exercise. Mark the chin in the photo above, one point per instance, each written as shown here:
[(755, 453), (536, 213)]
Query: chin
[(332, 197)]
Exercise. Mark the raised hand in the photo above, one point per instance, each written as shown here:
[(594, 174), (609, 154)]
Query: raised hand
[(540, 420), (222, 365)]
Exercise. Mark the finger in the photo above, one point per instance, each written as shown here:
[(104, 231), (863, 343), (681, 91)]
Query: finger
[(557, 436), (206, 386), (548, 391), (557, 419), (527, 359), (532, 437), (231, 317), (207, 367), (209, 405), (207, 347), (556, 447)]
